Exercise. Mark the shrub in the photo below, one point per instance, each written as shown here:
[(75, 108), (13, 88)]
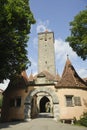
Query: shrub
[(83, 119)]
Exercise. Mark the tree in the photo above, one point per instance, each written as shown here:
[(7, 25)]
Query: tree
[(16, 19), (78, 38)]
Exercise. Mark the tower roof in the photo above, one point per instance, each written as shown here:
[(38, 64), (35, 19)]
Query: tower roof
[(31, 78), (70, 78), (57, 77), (46, 74), (25, 77)]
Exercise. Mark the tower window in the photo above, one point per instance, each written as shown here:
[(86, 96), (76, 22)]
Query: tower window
[(18, 101), (45, 37), (46, 62)]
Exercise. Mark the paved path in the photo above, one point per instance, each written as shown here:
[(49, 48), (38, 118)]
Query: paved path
[(39, 124)]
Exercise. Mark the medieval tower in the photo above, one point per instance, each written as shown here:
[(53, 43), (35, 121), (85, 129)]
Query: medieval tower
[(46, 94), (46, 54)]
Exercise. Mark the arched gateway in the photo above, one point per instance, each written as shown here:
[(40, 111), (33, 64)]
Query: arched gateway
[(28, 100)]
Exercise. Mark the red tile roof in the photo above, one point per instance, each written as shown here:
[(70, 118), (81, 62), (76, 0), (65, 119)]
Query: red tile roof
[(70, 78), (25, 77)]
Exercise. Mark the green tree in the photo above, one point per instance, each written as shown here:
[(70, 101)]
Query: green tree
[(16, 19), (78, 38), (83, 119)]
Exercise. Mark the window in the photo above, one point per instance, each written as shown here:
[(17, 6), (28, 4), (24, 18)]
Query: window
[(69, 100), (45, 62), (18, 102), (77, 101), (15, 102)]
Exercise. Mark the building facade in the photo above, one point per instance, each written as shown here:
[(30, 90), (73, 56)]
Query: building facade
[(63, 98)]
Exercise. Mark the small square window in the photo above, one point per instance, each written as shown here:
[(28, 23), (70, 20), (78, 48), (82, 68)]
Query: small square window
[(69, 100), (46, 62), (18, 101)]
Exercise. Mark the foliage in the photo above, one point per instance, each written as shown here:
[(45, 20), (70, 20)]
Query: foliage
[(16, 19), (83, 120), (78, 38)]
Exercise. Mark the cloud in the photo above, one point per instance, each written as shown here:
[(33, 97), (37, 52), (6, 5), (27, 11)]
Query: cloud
[(62, 49), (42, 26), (82, 73), (4, 85), (35, 43), (33, 67)]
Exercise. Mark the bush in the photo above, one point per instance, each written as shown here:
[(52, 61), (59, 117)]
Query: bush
[(83, 119)]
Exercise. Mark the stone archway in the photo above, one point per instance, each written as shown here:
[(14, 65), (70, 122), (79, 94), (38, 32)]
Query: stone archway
[(27, 110)]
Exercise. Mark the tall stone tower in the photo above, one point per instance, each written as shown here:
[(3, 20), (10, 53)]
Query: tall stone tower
[(46, 54)]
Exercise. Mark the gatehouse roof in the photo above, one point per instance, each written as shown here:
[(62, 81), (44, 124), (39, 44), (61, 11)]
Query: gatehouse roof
[(70, 78), (46, 74)]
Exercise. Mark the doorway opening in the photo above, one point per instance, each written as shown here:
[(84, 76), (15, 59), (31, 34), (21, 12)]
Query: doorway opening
[(44, 105)]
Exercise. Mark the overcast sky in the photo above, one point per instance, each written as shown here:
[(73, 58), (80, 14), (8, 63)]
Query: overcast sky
[(55, 16)]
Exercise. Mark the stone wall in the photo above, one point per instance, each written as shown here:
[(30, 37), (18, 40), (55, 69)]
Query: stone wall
[(46, 54)]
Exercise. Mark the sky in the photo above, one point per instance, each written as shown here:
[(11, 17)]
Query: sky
[(54, 15)]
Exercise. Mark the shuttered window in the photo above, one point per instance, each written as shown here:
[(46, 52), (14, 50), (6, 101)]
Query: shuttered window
[(77, 101)]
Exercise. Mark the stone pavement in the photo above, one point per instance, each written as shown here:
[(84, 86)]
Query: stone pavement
[(39, 124)]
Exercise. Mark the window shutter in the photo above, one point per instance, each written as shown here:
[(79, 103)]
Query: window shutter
[(77, 101)]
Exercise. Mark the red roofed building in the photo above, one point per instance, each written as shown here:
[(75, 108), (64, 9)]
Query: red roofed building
[(64, 98)]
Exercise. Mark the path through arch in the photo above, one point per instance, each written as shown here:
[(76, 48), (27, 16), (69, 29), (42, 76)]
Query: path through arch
[(27, 110)]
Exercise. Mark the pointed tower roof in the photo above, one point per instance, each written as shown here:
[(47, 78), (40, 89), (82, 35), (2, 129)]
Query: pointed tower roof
[(25, 77), (85, 79), (57, 77), (70, 78), (31, 78)]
